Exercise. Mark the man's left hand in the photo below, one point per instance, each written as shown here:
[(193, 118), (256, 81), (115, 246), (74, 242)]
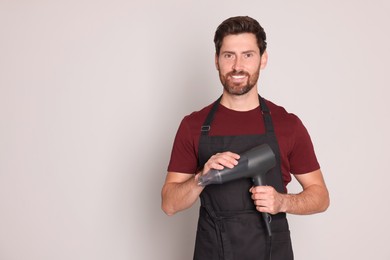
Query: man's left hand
[(267, 199)]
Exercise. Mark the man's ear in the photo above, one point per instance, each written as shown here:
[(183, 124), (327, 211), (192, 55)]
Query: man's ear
[(216, 61), (264, 60)]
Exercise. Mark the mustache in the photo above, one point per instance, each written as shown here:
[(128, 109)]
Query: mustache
[(238, 73)]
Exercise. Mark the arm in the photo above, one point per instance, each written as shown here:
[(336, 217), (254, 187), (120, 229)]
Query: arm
[(181, 190), (314, 197)]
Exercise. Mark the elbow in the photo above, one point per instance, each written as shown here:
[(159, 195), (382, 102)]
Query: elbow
[(167, 207), (325, 203), (169, 211)]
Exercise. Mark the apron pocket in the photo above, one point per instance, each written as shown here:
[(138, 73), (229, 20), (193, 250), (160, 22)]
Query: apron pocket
[(281, 246), (206, 245)]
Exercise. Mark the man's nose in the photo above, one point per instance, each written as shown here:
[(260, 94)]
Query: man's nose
[(237, 65)]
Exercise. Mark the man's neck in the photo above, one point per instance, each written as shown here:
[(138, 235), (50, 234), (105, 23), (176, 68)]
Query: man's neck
[(244, 102)]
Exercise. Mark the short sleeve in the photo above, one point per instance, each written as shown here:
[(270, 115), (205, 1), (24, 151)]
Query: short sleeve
[(302, 157), (183, 155)]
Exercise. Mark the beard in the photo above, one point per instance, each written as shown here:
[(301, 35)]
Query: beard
[(239, 88)]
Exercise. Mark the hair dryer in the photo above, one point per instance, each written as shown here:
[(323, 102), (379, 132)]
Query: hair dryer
[(254, 163)]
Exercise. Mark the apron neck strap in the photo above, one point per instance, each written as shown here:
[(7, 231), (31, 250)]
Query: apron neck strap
[(269, 128), (207, 123)]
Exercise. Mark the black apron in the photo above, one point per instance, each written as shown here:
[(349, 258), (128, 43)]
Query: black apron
[(229, 226)]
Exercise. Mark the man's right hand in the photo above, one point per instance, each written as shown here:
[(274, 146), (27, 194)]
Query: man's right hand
[(221, 160), (181, 190)]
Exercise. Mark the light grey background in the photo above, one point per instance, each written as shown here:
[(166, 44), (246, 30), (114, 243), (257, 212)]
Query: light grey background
[(92, 92)]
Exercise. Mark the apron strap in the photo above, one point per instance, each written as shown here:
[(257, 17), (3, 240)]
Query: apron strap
[(225, 248), (269, 128), (205, 129)]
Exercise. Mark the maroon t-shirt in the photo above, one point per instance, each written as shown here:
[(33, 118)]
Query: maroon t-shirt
[(296, 149)]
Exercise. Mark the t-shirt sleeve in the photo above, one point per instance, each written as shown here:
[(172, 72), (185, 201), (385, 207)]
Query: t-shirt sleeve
[(183, 156), (302, 157)]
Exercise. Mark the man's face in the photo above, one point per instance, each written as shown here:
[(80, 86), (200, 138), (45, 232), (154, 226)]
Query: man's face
[(239, 63)]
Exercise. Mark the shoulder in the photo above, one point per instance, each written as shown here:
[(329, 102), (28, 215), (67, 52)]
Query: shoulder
[(281, 116), (294, 141), (196, 118), (288, 126)]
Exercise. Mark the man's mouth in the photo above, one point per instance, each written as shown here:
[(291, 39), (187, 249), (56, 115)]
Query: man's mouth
[(238, 76)]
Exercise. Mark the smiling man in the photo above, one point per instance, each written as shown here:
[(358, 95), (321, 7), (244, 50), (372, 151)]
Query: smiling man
[(239, 53), (230, 223)]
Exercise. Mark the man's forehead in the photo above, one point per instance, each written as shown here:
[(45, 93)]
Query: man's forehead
[(240, 42)]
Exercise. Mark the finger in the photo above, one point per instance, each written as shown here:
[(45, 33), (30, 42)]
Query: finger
[(225, 159), (262, 189), (261, 202), (228, 159), (233, 155), (258, 196), (256, 189), (221, 160), (266, 205), (262, 209)]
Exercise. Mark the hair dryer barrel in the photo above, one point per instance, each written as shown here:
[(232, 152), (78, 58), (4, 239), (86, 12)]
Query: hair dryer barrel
[(261, 159), (256, 161)]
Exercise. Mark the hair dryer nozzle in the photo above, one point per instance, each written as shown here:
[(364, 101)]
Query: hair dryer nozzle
[(211, 177)]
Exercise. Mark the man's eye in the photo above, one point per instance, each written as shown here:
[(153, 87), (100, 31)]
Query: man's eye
[(248, 55), (228, 56)]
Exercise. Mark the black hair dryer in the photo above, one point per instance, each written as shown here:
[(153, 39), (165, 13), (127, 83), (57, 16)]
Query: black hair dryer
[(254, 163)]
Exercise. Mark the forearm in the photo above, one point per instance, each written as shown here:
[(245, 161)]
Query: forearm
[(177, 196), (311, 200)]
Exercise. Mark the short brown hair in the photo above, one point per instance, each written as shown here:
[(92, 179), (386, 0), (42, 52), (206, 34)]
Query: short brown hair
[(238, 25)]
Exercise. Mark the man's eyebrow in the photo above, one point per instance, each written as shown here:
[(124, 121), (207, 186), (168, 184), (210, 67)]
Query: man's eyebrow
[(248, 51), (232, 52), (229, 52)]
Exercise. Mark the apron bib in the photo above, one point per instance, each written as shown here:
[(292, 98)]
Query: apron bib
[(229, 226)]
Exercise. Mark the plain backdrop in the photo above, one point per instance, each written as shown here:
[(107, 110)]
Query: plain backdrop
[(92, 93)]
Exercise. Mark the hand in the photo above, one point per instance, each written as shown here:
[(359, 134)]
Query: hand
[(267, 199), (221, 160)]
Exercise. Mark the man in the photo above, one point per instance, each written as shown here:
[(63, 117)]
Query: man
[(230, 224)]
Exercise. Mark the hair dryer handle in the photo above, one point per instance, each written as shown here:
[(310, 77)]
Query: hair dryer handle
[(258, 181)]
